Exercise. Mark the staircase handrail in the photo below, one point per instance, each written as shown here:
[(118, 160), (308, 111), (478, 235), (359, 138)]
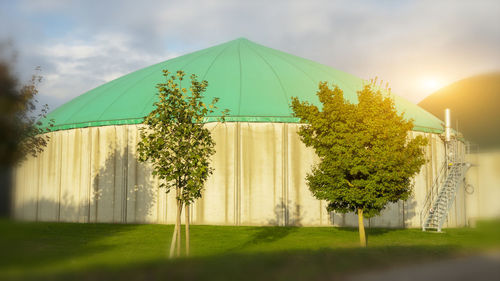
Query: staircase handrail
[(438, 181), (461, 169)]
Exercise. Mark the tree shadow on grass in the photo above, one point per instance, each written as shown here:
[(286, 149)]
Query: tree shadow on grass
[(269, 234), (286, 220), (42, 244), (37, 245), (325, 264), (369, 231)]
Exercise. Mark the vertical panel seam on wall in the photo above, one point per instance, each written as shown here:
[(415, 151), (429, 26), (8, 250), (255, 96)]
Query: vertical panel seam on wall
[(113, 153), (237, 173), (125, 176), (136, 172), (282, 197), (240, 166), (89, 190), (59, 169), (80, 173), (97, 198), (246, 175), (39, 184), (79, 182), (89, 143), (226, 160), (157, 200), (284, 191), (75, 149)]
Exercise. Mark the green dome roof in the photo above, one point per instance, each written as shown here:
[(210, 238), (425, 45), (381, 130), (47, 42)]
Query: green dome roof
[(253, 81)]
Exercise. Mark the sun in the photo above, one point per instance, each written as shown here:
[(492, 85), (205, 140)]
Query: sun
[(430, 84)]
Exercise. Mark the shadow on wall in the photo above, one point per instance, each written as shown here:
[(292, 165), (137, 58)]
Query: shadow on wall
[(396, 215), (121, 191), (286, 214), (410, 212)]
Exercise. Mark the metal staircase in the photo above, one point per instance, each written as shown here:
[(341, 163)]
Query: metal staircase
[(442, 195)]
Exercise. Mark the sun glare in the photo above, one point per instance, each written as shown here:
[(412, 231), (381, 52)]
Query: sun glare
[(430, 84)]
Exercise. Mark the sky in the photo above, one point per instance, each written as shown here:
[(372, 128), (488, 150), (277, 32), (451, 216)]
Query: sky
[(417, 46)]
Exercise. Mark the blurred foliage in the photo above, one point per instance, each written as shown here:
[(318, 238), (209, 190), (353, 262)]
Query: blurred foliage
[(21, 133)]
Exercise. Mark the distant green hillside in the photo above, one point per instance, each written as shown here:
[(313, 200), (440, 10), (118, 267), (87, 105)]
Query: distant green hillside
[(475, 104)]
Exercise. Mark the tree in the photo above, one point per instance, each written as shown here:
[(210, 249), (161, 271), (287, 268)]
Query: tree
[(178, 145), (21, 131), (21, 127), (367, 158)]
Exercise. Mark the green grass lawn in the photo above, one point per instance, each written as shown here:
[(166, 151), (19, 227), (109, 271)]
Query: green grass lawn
[(136, 252)]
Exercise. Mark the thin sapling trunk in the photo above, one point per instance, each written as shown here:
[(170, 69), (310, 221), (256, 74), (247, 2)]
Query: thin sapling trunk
[(179, 212), (362, 235), (172, 243), (186, 221)]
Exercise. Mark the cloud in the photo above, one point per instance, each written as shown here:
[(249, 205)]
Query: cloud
[(399, 41), (75, 66)]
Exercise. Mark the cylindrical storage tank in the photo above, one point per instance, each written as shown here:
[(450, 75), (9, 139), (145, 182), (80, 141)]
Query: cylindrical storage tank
[(89, 171), (473, 102)]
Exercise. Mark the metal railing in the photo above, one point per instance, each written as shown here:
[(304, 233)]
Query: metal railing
[(442, 194), (433, 192)]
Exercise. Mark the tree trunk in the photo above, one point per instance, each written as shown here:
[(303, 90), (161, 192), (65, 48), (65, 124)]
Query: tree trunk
[(179, 212), (186, 222), (175, 235), (172, 243), (362, 236)]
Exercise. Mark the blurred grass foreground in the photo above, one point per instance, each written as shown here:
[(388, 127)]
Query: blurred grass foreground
[(138, 252)]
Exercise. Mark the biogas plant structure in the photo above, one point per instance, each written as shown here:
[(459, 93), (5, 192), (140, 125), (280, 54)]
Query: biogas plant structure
[(89, 172)]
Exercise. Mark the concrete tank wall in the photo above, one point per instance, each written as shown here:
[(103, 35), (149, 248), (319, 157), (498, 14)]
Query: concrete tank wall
[(92, 175), (482, 193)]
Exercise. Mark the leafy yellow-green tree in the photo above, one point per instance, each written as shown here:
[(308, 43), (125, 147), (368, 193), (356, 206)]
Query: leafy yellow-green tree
[(178, 145), (367, 158)]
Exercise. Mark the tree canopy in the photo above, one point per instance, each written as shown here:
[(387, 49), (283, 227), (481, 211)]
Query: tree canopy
[(367, 158), (175, 139), (177, 143)]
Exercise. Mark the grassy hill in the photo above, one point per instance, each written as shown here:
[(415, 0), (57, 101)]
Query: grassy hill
[(475, 104)]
